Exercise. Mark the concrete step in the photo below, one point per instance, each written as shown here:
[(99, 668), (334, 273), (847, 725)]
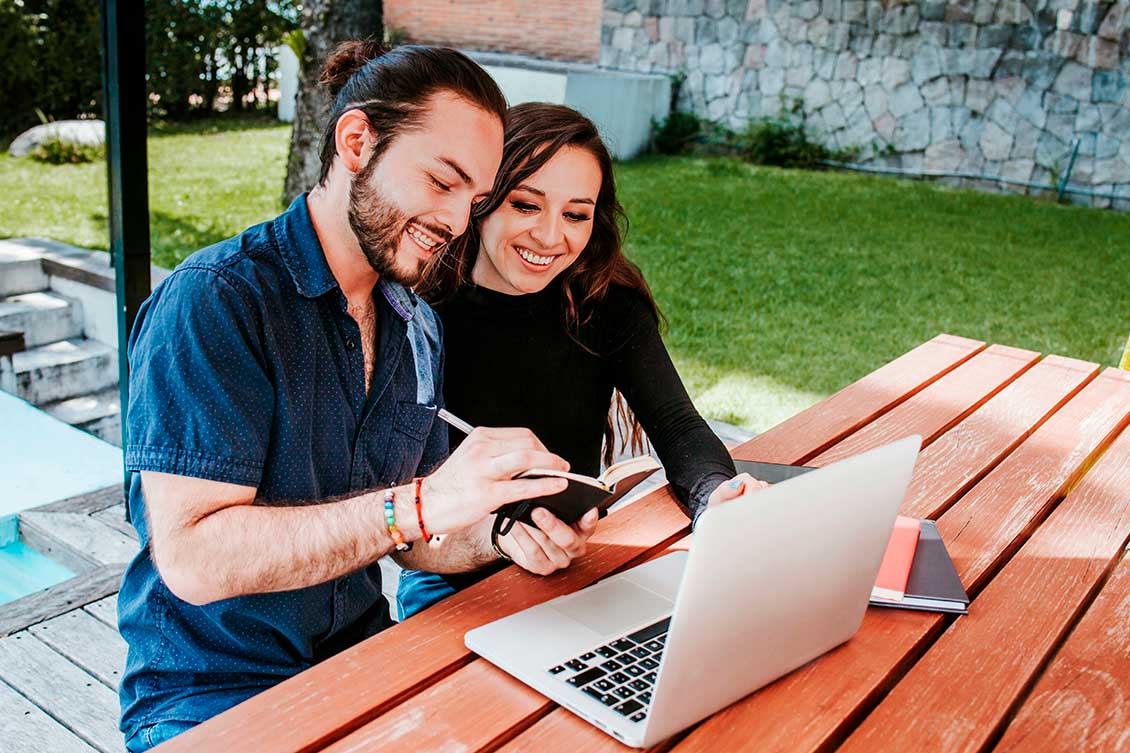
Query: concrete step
[(99, 413), (64, 369), (43, 317), (20, 271)]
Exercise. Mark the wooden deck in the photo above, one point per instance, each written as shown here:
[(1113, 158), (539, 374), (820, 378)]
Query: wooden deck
[(61, 657)]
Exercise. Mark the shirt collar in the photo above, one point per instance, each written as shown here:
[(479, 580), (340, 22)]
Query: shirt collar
[(306, 261)]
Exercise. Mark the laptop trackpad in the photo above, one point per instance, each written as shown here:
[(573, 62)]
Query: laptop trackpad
[(615, 606)]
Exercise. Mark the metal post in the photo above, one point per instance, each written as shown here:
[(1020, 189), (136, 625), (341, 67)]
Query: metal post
[(124, 109)]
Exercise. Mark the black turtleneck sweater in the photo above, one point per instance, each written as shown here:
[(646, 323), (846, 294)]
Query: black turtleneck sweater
[(510, 362)]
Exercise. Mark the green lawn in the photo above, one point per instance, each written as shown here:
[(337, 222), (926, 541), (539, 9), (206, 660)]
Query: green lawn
[(780, 286)]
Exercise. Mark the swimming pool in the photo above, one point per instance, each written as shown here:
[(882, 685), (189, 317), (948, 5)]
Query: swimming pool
[(24, 570)]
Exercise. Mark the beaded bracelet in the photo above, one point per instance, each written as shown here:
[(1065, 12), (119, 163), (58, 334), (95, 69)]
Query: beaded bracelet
[(390, 518), (420, 510)]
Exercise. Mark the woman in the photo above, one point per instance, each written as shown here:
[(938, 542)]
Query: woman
[(545, 320)]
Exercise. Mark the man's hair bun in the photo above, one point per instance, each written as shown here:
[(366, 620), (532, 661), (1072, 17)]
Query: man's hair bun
[(348, 58)]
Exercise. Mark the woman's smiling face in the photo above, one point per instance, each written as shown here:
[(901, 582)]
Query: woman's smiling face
[(541, 227)]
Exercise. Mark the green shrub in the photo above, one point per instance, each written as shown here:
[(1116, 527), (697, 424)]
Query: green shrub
[(58, 152), (783, 141), (676, 134)]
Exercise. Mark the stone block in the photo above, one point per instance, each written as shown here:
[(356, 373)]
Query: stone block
[(1073, 78), (834, 118), (847, 65), (1111, 171), (870, 71), (1102, 54), (771, 81), (936, 92), (983, 11), (684, 30), (932, 10), (651, 28), (933, 32), (962, 35), (808, 10), (715, 8), (666, 29), (715, 87), (1090, 16), (984, 62), (885, 126), (1030, 107), (853, 11), (926, 64), (659, 57), (913, 132), (633, 19), (1087, 118), (1050, 151), (711, 59), (944, 155), (1107, 86), (941, 124), (905, 100), (825, 64), (818, 32), (875, 100), (895, 72), (719, 109), (1106, 146), (956, 61), (995, 35), (1060, 103), (1112, 26), (1010, 87), (1012, 13), (612, 19), (970, 134), (839, 37), (1025, 37), (728, 30), (817, 95), (882, 45), (1024, 142), (995, 142), (622, 39), (959, 12), (978, 95), (798, 76), (1065, 44), (1018, 170), (1119, 122), (900, 19), (1061, 125), (705, 31)]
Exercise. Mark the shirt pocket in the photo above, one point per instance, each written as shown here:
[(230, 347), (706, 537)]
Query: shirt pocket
[(411, 426)]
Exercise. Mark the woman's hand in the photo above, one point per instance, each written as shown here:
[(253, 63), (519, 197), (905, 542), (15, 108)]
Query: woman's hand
[(734, 488), (551, 545)]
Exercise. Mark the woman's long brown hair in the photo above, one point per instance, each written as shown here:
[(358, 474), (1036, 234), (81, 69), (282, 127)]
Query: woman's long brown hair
[(535, 132)]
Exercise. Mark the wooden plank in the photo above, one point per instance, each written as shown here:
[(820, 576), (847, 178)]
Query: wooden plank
[(105, 610), (62, 597), (941, 405), (343, 693), (115, 517), (75, 560), (87, 643), (991, 432), (986, 526), (81, 532), (1082, 702), (859, 403), (452, 715), (72, 697), (24, 728), (813, 708), (86, 503), (959, 696), (559, 726)]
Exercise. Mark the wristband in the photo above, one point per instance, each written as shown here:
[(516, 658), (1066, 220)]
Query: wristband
[(494, 539), (390, 519), (420, 511)]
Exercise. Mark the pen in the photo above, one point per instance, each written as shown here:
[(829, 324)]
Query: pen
[(455, 421)]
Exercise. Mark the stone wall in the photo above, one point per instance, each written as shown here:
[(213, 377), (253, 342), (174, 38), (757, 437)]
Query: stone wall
[(995, 87)]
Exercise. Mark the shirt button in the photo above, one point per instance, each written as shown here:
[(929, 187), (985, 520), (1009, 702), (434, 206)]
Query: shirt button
[(349, 344)]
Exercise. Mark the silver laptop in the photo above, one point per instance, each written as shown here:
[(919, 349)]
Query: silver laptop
[(771, 581)]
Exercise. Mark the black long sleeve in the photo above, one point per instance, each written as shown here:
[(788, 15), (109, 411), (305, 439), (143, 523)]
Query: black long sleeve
[(509, 362)]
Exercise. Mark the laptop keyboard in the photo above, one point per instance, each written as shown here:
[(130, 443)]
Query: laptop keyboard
[(620, 674)]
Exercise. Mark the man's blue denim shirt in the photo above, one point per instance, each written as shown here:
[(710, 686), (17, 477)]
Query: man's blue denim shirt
[(246, 368)]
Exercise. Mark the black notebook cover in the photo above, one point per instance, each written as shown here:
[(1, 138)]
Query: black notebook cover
[(771, 473), (933, 584)]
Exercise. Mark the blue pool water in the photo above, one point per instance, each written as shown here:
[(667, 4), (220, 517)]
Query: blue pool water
[(23, 570)]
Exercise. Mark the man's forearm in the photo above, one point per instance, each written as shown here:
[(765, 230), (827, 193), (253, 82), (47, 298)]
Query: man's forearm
[(458, 552), (246, 549)]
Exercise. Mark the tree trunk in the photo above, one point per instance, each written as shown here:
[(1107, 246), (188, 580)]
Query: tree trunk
[(325, 24)]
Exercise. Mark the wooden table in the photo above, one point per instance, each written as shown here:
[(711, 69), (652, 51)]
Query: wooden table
[(1025, 468)]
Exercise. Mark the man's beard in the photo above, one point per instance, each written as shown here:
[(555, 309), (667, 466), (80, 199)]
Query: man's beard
[(379, 226)]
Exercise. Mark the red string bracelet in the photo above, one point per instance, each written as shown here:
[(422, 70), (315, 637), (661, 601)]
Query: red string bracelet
[(420, 511)]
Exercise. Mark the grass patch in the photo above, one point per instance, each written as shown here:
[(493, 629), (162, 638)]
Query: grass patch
[(208, 180), (781, 286)]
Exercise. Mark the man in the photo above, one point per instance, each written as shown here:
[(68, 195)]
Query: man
[(282, 376)]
